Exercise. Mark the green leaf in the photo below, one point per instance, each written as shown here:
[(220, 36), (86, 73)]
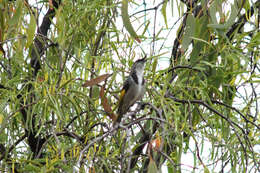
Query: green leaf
[(256, 38), (217, 26), (146, 27), (96, 91), (206, 170), (74, 103), (31, 168), (1, 118), (31, 30), (201, 40), (201, 29), (18, 11), (2, 21), (170, 169), (152, 168), (154, 65), (163, 10), (231, 20), (195, 53), (213, 11), (189, 32), (126, 21), (66, 83), (232, 17)]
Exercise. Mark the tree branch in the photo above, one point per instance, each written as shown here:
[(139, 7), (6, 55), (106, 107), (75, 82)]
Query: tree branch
[(34, 142), (242, 20)]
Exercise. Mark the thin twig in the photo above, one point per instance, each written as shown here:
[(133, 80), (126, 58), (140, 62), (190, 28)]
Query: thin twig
[(149, 9), (236, 110), (207, 106)]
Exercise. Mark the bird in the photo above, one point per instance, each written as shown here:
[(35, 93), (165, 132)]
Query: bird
[(133, 88)]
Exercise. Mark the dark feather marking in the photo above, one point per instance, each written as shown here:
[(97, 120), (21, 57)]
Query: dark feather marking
[(126, 85), (134, 76)]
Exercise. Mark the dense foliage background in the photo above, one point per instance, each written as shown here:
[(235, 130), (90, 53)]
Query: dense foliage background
[(63, 63)]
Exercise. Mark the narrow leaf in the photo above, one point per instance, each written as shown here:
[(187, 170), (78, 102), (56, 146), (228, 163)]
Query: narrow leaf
[(233, 16), (213, 12), (1, 39), (163, 10), (126, 21), (1, 118), (152, 168), (217, 26), (17, 14), (31, 30), (189, 32)]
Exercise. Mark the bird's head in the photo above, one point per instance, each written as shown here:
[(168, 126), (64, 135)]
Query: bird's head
[(139, 65)]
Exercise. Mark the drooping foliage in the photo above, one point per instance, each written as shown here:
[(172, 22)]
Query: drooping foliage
[(63, 63)]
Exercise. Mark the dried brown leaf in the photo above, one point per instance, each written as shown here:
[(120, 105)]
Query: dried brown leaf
[(96, 80), (106, 105)]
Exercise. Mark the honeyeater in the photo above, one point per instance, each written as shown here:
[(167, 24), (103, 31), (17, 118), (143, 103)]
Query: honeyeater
[(133, 88)]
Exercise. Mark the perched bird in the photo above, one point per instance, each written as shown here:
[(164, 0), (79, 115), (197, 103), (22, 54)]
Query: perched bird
[(133, 88)]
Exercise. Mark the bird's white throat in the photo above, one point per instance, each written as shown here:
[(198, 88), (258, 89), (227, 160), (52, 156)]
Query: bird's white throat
[(140, 74)]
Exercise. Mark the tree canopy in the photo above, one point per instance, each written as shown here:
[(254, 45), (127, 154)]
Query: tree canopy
[(63, 63)]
